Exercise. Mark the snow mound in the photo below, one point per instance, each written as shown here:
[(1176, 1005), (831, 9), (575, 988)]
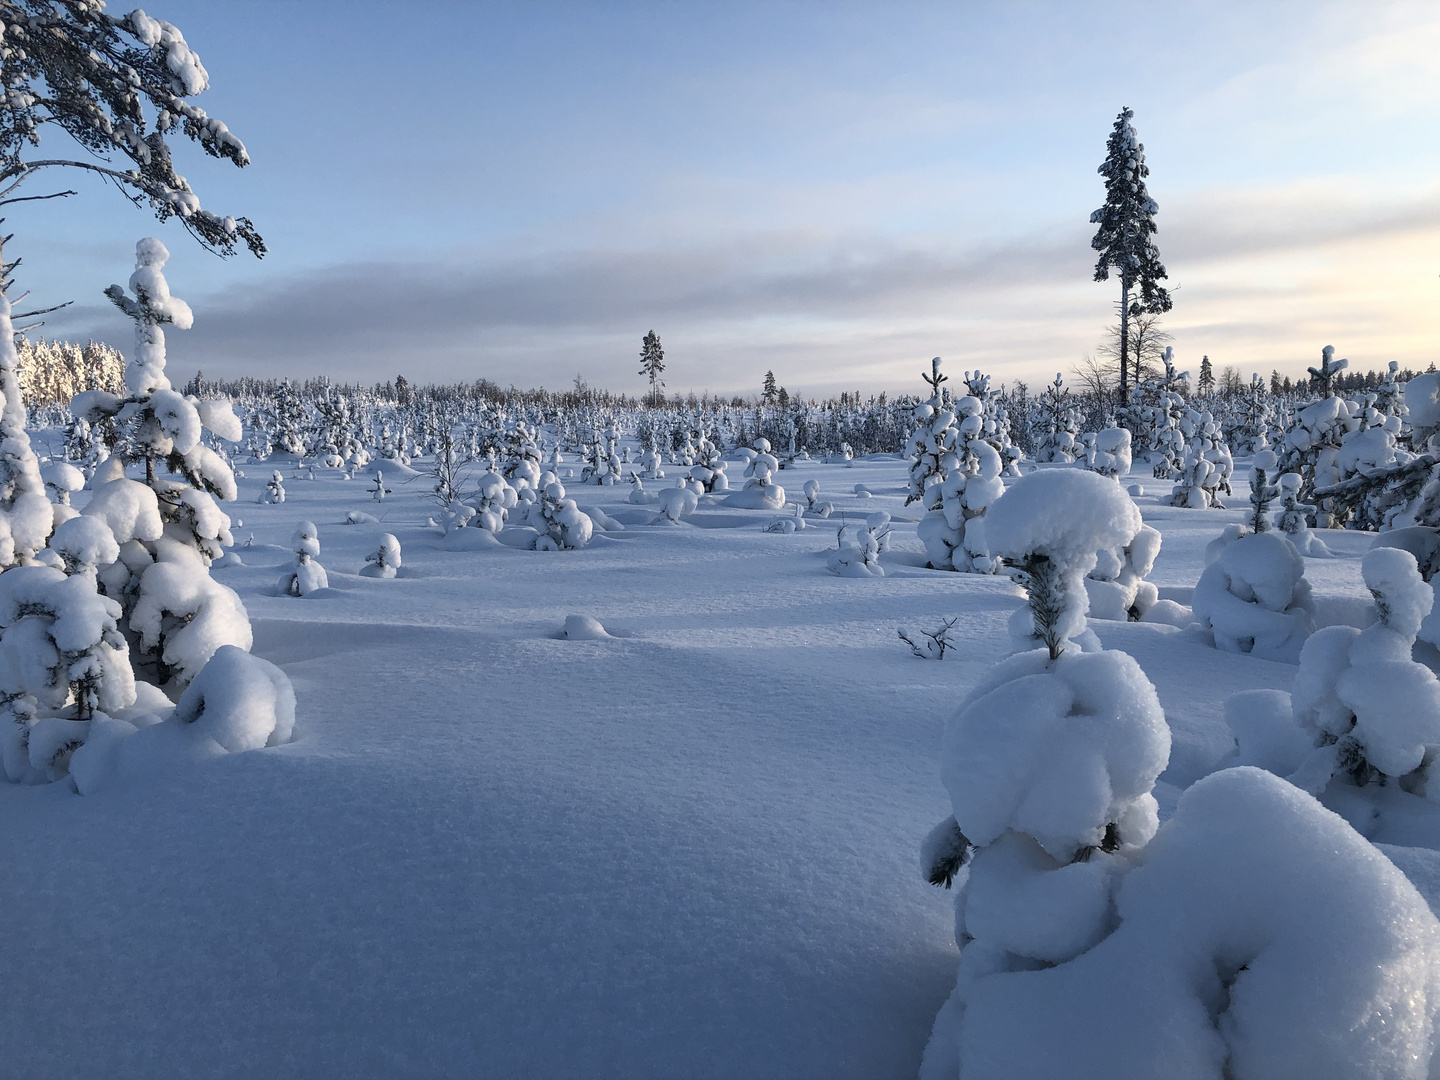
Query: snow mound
[(584, 628), (240, 701)]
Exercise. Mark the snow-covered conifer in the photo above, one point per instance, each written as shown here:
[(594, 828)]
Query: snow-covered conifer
[(1255, 599), (384, 561), (274, 489), (859, 547), (305, 575)]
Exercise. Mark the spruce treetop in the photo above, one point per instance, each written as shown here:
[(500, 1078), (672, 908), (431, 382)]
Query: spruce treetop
[(1127, 220)]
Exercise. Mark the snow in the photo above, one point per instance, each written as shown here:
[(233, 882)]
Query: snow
[(688, 849)]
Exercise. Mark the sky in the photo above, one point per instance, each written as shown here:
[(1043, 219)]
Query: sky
[(835, 192)]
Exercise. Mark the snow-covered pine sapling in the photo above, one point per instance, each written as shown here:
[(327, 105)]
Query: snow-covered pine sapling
[(859, 547), (384, 561), (1322, 378), (932, 645), (305, 575), (1262, 491), (1049, 762), (1372, 711), (1295, 518), (1116, 587), (1050, 526), (638, 495), (274, 489), (565, 526), (493, 501), (1254, 598), (678, 502), (1109, 454), (813, 502), (377, 488)]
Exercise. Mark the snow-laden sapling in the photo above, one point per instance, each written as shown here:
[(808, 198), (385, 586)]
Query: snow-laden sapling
[(813, 503), (677, 503), (1116, 587), (562, 525), (384, 561), (1051, 526), (377, 488), (956, 476), (1263, 492), (274, 489), (305, 575), (638, 495), (931, 645), (1049, 762), (859, 547), (760, 491), (1372, 710), (1254, 598), (1295, 518), (1110, 454)]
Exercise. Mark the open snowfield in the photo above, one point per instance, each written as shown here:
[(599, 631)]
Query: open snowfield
[(689, 850)]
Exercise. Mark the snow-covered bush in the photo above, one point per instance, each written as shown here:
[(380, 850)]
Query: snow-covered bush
[(1260, 938), (1109, 453), (1060, 424), (813, 503), (384, 561), (677, 503), (1117, 588), (240, 701), (1295, 518), (760, 492), (1370, 708), (274, 489), (561, 525), (1051, 526), (1255, 599), (305, 575), (858, 547), (377, 488)]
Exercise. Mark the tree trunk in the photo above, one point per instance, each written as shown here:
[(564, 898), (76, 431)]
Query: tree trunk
[(1124, 339)]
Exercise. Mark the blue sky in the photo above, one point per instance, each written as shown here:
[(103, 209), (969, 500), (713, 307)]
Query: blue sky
[(833, 191)]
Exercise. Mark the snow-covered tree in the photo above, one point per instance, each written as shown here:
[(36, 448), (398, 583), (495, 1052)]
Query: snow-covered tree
[(274, 489), (384, 561), (859, 546), (1254, 598), (1124, 238), (305, 575), (652, 363)]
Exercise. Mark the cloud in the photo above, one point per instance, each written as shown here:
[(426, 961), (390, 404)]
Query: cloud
[(1262, 274)]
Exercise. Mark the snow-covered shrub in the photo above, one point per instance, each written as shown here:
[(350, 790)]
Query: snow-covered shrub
[(709, 468), (1050, 526), (1255, 599), (1205, 474), (1295, 518), (1049, 764), (384, 561), (1109, 454), (955, 475), (760, 491), (813, 503), (1060, 424), (677, 503), (305, 575), (930, 644), (1117, 588), (493, 501), (1368, 706), (638, 495), (240, 701), (561, 525), (859, 547), (1262, 491), (274, 489), (1261, 938), (377, 488)]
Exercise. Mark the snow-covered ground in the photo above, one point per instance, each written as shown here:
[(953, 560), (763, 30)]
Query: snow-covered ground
[(690, 849)]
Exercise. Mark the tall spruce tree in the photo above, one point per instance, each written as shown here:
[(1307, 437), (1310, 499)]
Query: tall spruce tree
[(1124, 237), (769, 392), (652, 363), (1207, 377)]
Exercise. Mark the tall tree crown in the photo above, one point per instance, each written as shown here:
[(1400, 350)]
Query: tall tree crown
[(116, 85), (1127, 220)]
